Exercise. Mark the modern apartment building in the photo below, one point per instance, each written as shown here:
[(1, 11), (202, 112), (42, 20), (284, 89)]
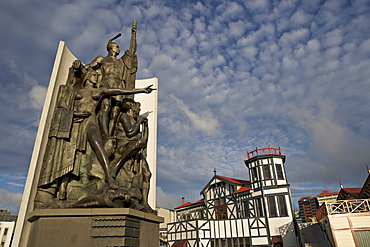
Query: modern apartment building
[(307, 208)]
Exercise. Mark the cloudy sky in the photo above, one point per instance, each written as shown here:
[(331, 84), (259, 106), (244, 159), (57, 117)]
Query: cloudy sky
[(233, 75)]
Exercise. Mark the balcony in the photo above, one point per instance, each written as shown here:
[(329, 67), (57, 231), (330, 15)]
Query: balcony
[(343, 207)]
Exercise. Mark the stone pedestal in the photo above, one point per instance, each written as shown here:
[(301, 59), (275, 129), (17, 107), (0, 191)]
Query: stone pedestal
[(100, 227)]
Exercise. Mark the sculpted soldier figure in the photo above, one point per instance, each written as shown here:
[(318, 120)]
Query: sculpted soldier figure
[(131, 152), (86, 101), (116, 73), (83, 106)]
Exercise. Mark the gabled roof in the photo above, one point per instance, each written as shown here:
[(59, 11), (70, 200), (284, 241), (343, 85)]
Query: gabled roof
[(356, 193), (349, 193), (236, 181), (365, 192), (245, 186), (241, 182), (189, 204)]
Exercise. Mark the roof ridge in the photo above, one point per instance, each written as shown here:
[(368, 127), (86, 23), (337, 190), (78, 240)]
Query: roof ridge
[(240, 181)]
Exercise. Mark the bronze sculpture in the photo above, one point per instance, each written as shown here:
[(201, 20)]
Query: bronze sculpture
[(131, 152), (85, 164), (116, 73)]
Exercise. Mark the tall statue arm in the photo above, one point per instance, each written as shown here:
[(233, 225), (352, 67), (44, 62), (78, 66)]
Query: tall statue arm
[(133, 45), (125, 91)]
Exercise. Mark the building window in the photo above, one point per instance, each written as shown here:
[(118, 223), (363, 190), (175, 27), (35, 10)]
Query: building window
[(272, 206), (282, 206), (5, 231), (266, 171), (221, 208), (259, 209), (279, 171), (247, 212), (254, 174)]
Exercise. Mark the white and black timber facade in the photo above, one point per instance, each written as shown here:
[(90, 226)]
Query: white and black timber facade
[(235, 212)]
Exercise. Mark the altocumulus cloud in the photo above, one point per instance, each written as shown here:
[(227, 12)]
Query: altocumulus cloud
[(232, 76)]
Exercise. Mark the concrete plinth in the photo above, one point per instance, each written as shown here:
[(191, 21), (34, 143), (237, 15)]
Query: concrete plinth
[(103, 227)]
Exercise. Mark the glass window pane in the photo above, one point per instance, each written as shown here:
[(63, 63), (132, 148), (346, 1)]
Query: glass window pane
[(266, 172), (282, 206), (272, 206), (254, 174), (279, 171)]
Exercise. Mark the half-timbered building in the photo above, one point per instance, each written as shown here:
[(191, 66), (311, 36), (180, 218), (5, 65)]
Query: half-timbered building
[(237, 212)]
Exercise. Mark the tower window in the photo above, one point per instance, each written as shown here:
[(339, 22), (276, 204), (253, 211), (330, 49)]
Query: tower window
[(266, 171), (282, 206), (254, 174), (279, 171), (259, 208), (272, 206)]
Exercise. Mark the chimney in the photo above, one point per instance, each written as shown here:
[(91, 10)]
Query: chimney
[(182, 200)]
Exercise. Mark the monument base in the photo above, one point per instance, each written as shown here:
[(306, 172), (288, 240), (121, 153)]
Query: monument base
[(93, 227)]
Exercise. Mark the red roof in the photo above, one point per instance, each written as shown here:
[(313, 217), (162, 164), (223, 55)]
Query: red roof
[(236, 181), (188, 204), (353, 191), (245, 185), (357, 193), (349, 193), (327, 193), (242, 189)]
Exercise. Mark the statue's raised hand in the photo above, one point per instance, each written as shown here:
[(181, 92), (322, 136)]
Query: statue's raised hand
[(149, 89)]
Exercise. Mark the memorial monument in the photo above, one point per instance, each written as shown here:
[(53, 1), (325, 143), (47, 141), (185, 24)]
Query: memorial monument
[(93, 162)]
